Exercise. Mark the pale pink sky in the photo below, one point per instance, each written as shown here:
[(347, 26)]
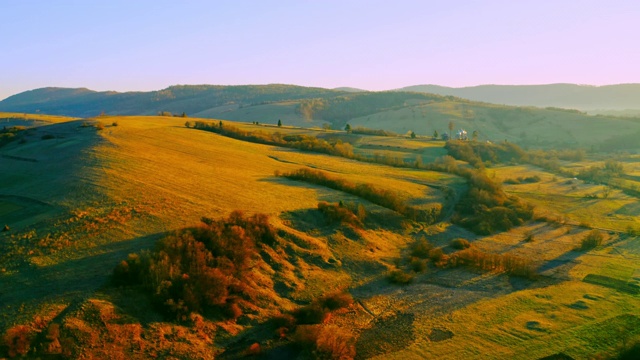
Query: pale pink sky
[(375, 45)]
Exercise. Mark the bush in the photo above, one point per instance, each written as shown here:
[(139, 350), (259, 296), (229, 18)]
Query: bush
[(418, 265), (328, 342), (436, 255), (339, 213), (421, 249), (18, 340), (529, 237), (232, 310), (336, 300), (313, 313), (99, 126), (400, 277), (115, 123), (254, 350), (200, 269), (510, 264), (460, 244), (592, 239)]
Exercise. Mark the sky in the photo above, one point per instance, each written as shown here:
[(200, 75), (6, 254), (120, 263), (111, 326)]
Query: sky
[(373, 45)]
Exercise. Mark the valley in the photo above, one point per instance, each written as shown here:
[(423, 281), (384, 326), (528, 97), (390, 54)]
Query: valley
[(79, 195)]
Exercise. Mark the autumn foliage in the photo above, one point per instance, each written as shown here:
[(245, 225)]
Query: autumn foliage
[(201, 269)]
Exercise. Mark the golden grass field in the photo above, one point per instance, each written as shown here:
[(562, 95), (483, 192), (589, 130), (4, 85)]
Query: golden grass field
[(79, 203)]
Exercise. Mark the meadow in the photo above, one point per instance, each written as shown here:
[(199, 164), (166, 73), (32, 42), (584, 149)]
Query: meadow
[(79, 201)]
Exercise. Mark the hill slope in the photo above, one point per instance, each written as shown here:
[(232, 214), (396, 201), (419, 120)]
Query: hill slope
[(397, 111), (177, 99), (587, 98), (80, 201)]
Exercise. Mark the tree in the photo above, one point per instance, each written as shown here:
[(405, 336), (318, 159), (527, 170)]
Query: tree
[(184, 114), (347, 128), (220, 124), (474, 135), (451, 126), (412, 134), (187, 124), (279, 123), (435, 134)]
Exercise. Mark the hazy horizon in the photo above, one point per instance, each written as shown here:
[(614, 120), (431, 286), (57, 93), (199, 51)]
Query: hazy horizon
[(145, 45), (330, 88)]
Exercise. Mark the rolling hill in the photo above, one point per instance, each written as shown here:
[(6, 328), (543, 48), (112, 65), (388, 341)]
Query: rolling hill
[(398, 111), (82, 196), (594, 99)]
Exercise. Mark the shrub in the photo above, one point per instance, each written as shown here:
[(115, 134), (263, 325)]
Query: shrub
[(436, 255), (480, 260), (592, 239), (339, 213), (460, 244), (99, 126), (418, 265), (421, 249), (18, 340), (329, 342), (115, 123), (254, 349), (284, 320), (336, 300), (400, 277), (232, 310), (199, 269), (313, 313)]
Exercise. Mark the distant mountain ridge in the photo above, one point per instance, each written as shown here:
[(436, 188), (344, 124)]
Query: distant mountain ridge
[(582, 97), (82, 102)]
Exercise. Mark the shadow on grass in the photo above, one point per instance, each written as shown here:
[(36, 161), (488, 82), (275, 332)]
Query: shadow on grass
[(70, 281), (561, 266)]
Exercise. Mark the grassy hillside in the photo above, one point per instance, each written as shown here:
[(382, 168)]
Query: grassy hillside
[(571, 96), (526, 126), (79, 202), (175, 99), (314, 107)]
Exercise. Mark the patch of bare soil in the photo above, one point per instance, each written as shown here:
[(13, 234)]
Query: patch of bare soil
[(438, 335), (386, 336)]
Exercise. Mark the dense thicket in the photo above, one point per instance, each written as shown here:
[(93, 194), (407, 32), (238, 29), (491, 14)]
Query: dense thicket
[(478, 153), (485, 208), (382, 197), (376, 132), (301, 142), (476, 259), (343, 213), (201, 269)]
